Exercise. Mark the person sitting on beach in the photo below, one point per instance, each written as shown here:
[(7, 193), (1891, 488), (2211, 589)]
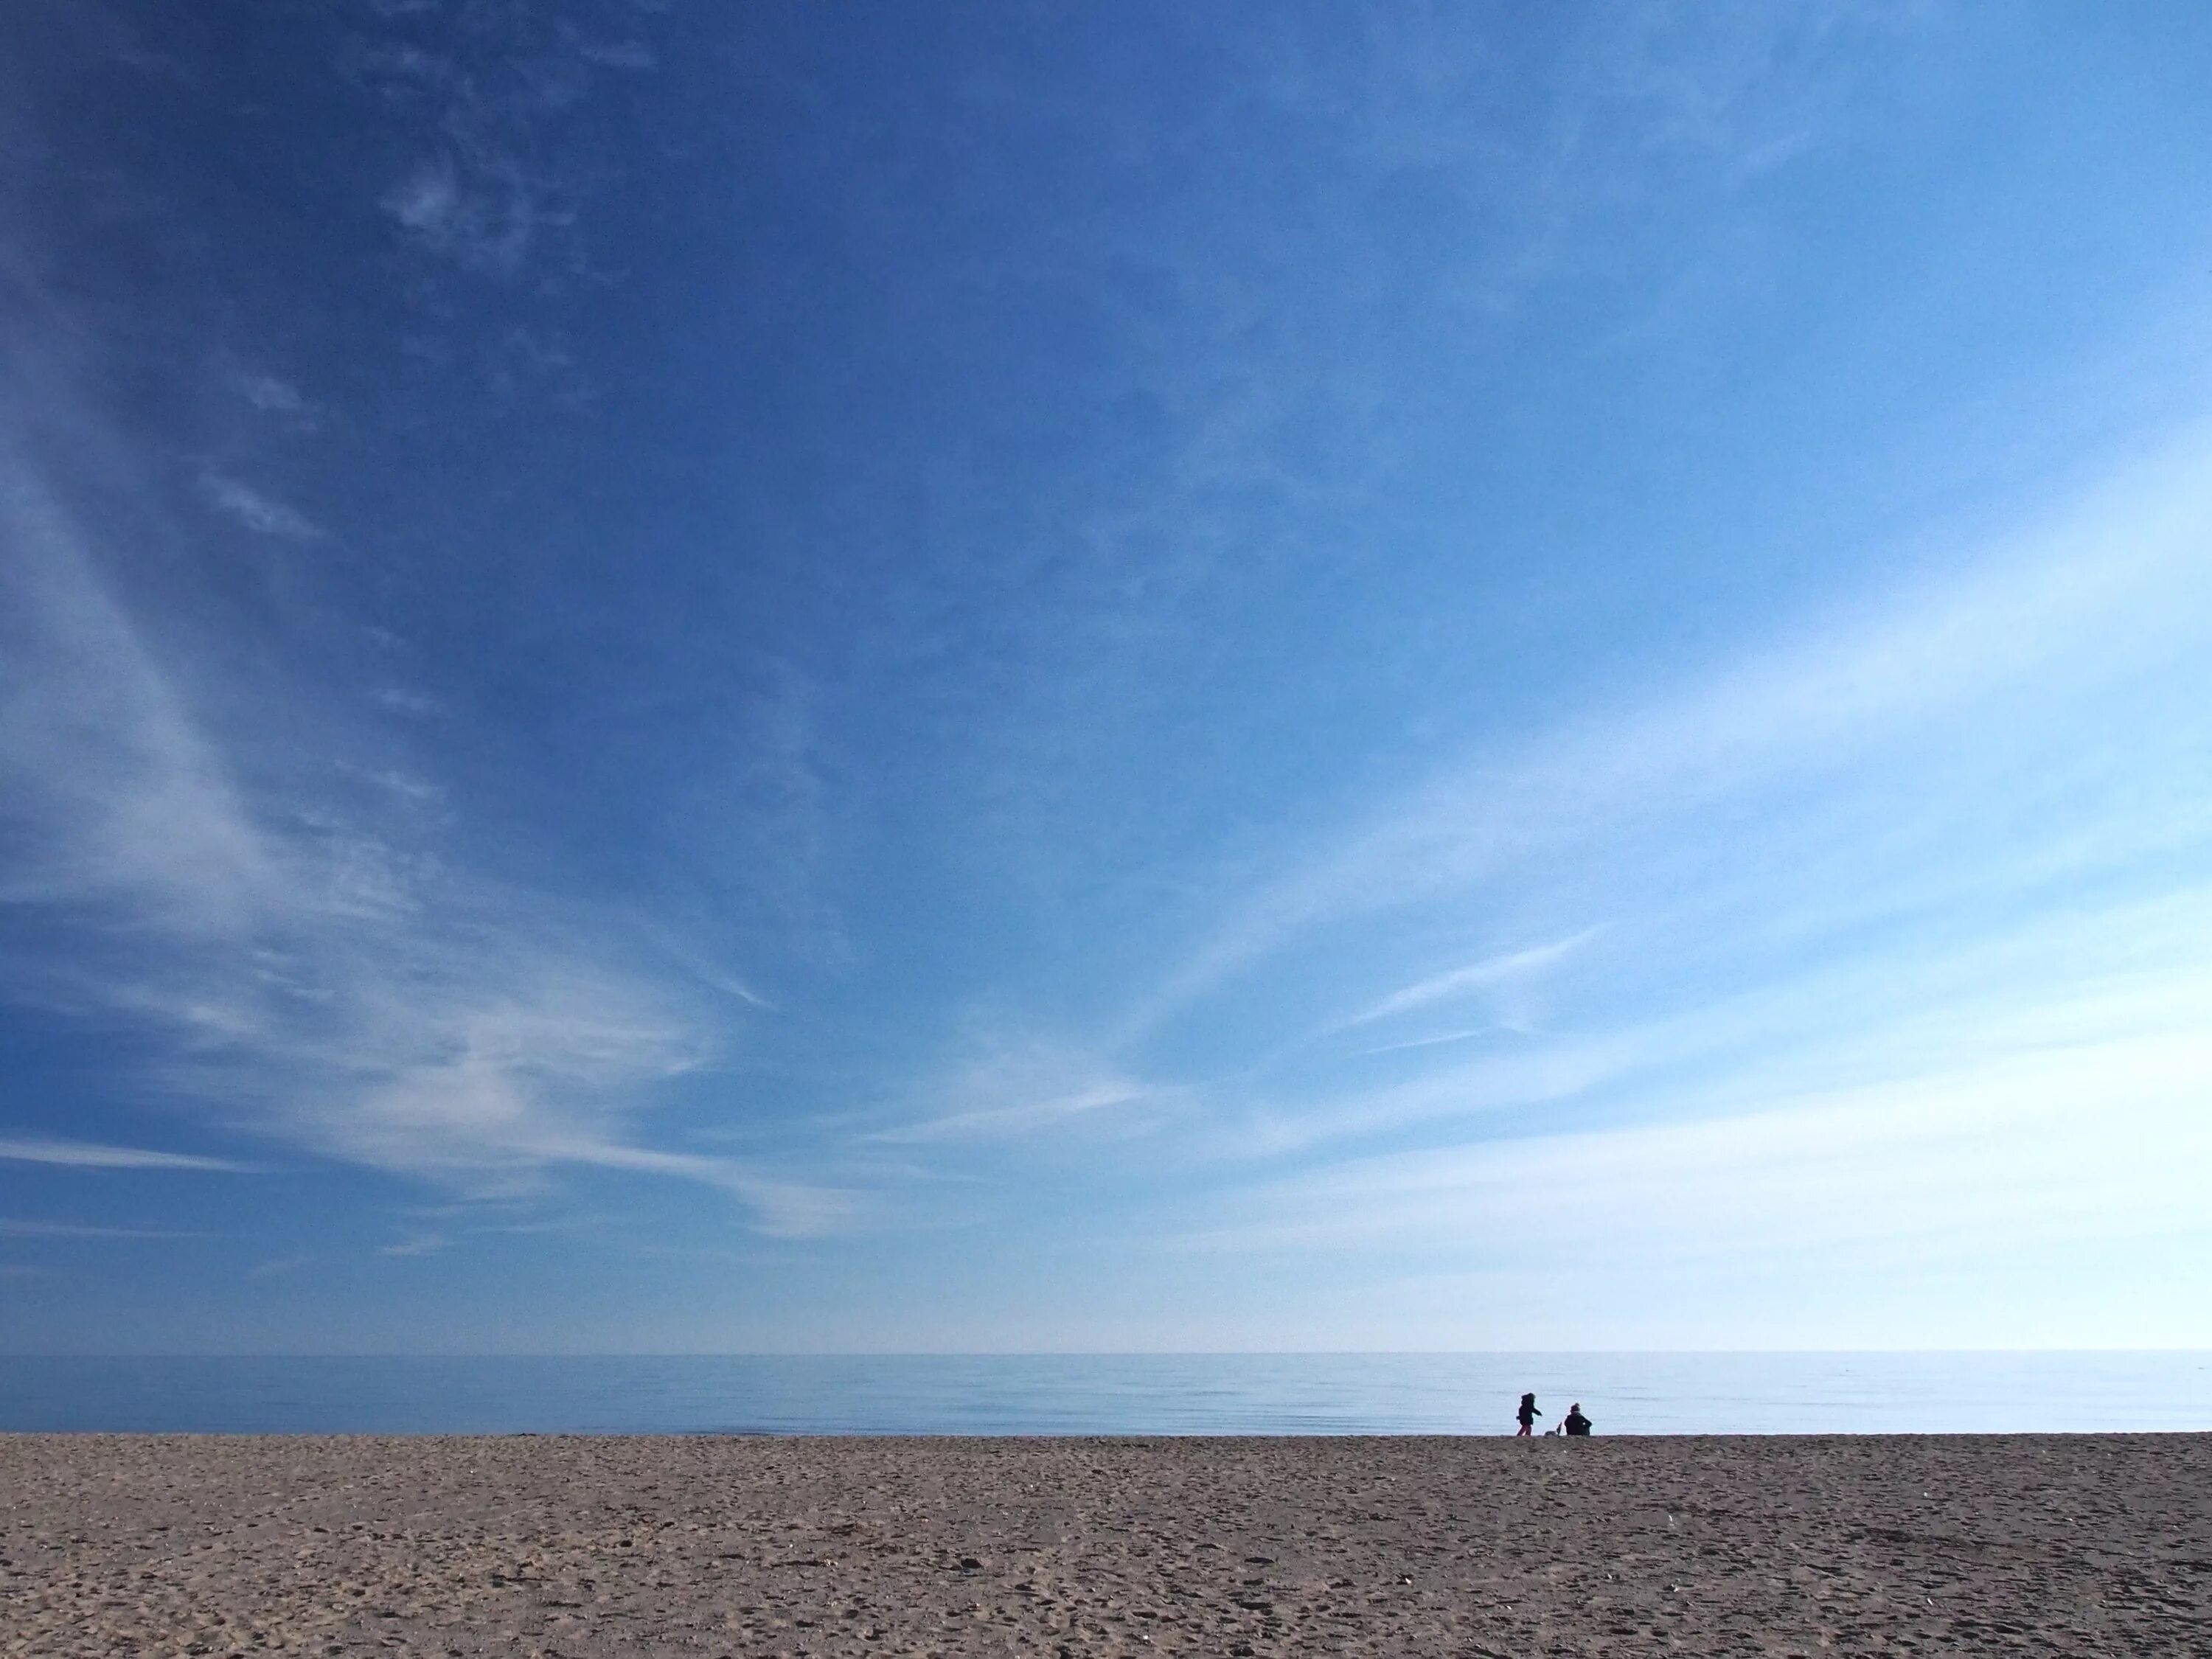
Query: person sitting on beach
[(1527, 1415), (1577, 1423)]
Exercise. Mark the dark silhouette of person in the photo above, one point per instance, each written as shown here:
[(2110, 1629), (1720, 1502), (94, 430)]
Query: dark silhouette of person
[(1577, 1423), (1527, 1414)]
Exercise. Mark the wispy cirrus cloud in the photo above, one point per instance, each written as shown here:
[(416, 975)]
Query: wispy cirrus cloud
[(2113, 590), (92, 1155), (1906, 939), (1009, 1090), (1947, 825), (277, 398), (486, 199), (17, 1227), (282, 925), (1020, 1117), (2126, 977), (313, 972), (1992, 1150), (116, 795), (1502, 977), (262, 514), (633, 55), (401, 700), (483, 220)]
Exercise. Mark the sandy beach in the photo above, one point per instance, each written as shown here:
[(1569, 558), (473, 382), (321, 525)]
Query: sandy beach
[(576, 1546)]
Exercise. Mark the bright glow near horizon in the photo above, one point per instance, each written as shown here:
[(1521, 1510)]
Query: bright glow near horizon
[(824, 677)]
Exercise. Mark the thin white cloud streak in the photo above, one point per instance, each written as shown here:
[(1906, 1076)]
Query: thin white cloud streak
[(13, 1228), (1909, 949), (1996, 1152), (2119, 578), (402, 702), (1492, 974), (1939, 854), (1998, 1110), (730, 986), (1433, 1040), (632, 55), (91, 1155), (318, 978), (1012, 1091), (2118, 974), (114, 793), (777, 791), (1021, 1118), (263, 514), (782, 1209), (272, 395), (1930, 841)]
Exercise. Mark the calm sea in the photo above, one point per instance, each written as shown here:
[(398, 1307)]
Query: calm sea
[(1147, 1394)]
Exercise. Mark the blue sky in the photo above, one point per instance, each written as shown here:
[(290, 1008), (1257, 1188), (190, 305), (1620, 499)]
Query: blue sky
[(844, 677)]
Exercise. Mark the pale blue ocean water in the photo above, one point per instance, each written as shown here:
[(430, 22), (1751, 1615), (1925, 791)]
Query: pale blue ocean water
[(1147, 1394)]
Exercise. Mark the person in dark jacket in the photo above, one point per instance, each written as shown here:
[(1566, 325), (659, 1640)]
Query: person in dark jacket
[(1577, 1423), (1527, 1415)]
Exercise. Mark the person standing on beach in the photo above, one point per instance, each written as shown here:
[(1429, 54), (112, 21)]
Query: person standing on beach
[(1527, 1415)]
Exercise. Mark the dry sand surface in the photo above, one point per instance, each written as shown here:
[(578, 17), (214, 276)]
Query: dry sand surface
[(1404, 1547)]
